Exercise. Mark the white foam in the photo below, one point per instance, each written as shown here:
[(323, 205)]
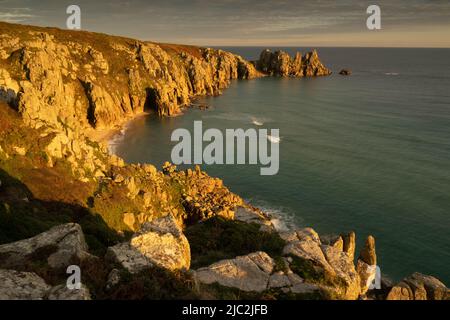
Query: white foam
[(283, 219), (273, 139), (256, 122)]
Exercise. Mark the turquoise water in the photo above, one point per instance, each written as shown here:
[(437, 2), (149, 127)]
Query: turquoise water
[(369, 152)]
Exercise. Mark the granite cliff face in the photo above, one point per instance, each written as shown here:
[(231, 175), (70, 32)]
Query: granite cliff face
[(70, 78), (136, 231)]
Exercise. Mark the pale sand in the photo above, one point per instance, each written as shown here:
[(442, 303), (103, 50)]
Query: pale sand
[(105, 135)]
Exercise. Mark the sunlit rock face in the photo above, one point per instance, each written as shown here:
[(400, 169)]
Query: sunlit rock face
[(279, 63)]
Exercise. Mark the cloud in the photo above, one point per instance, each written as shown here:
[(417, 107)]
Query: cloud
[(16, 15)]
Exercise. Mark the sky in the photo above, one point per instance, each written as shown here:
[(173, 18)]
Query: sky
[(407, 23)]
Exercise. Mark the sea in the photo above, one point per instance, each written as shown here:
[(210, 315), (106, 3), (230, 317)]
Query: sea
[(369, 152)]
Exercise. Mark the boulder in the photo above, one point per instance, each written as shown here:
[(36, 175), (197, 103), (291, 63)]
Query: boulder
[(345, 72), (59, 247), (15, 285), (247, 273), (61, 292), (419, 287), (160, 242)]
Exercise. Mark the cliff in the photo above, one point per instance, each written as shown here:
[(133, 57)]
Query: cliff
[(135, 231)]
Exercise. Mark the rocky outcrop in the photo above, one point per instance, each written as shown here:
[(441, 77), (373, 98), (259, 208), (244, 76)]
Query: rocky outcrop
[(249, 214), (59, 247), (279, 63), (203, 197), (327, 265), (254, 272), (419, 287), (246, 273), (15, 285), (160, 242), (366, 264), (61, 292)]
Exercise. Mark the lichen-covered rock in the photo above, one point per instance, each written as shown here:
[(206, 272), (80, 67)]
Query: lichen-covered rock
[(349, 244), (61, 292), (160, 242), (419, 287), (345, 271), (326, 265), (59, 247), (246, 273), (15, 285)]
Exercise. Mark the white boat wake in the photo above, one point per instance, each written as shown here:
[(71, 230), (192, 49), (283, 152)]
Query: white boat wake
[(273, 139), (256, 122)]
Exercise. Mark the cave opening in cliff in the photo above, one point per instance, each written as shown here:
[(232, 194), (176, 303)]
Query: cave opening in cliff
[(150, 100)]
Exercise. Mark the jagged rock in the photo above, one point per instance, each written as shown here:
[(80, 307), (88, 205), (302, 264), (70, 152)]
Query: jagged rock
[(345, 72), (159, 242), (366, 264), (59, 247), (8, 88), (15, 285), (345, 270), (252, 216), (330, 262), (308, 234), (334, 241), (246, 273), (419, 287), (61, 292), (279, 63), (349, 244), (308, 247), (368, 254)]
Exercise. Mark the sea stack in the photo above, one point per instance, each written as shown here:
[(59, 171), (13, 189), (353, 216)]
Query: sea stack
[(279, 63)]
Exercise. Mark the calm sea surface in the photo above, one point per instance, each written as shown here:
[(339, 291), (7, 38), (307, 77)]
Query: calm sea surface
[(369, 152)]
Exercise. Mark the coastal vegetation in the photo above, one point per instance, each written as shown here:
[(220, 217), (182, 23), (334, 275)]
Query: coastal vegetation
[(137, 232)]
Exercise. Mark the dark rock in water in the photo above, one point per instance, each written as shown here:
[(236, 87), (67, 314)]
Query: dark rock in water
[(199, 106), (345, 72), (279, 63)]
